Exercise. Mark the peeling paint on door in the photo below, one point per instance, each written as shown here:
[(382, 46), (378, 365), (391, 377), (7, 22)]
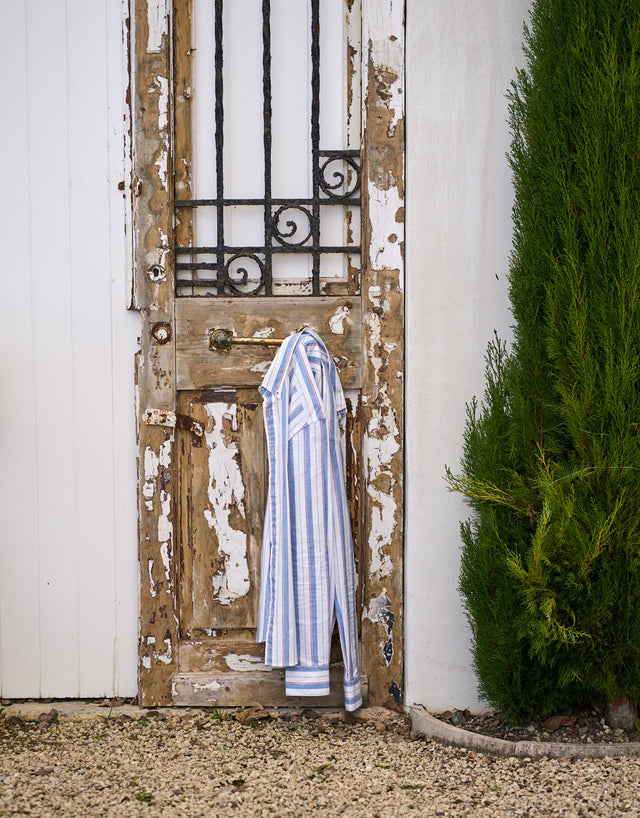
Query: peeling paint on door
[(336, 322), (155, 465), (158, 25), (155, 469), (382, 400), (150, 654), (226, 494), (245, 663), (207, 686), (162, 158), (152, 584), (381, 444), (155, 383), (380, 610)]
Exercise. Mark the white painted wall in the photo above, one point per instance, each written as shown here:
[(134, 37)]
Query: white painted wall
[(68, 575), (461, 57)]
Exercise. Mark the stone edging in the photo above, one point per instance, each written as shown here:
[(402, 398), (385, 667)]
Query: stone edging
[(423, 722)]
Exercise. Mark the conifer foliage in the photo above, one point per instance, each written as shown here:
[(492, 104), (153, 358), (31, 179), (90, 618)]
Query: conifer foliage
[(551, 469)]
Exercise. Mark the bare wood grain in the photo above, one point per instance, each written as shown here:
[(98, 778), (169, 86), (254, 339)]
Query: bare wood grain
[(338, 321), (153, 233), (183, 105), (230, 648), (354, 433), (248, 687), (383, 309)]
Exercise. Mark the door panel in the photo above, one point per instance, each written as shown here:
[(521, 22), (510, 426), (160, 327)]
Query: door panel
[(223, 476), (223, 491), (246, 687), (337, 320)]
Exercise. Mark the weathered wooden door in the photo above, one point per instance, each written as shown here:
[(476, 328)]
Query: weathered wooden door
[(268, 195)]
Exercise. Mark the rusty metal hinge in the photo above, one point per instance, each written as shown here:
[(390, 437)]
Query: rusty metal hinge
[(174, 420)]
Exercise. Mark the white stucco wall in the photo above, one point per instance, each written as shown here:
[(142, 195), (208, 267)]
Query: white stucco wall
[(461, 57)]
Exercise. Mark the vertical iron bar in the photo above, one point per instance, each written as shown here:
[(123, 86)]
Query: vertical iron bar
[(219, 139), (315, 143), (266, 95)]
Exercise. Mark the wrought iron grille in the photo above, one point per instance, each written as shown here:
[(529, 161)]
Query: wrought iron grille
[(291, 225)]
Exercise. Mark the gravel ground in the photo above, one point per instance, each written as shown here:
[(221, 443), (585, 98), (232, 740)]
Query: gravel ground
[(209, 765)]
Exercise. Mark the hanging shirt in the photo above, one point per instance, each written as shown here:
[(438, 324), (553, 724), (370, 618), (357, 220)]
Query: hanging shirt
[(308, 577)]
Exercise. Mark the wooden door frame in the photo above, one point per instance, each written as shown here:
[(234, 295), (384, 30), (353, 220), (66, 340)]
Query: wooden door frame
[(383, 325)]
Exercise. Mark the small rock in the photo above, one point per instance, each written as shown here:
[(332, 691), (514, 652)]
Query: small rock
[(457, 718), (380, 727), (48, 718), (332, 718), (621, 712), (251, 714), (554, 723)]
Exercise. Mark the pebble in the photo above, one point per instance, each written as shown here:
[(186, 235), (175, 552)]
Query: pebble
[(280, 767)]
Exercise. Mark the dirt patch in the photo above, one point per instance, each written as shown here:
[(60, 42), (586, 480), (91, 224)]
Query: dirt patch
[(586, 726)]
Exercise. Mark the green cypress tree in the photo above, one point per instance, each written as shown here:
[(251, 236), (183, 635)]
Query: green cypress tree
[(551, 469)]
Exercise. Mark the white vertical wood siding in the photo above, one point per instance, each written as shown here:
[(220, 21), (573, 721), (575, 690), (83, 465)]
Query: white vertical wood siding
[(68, 579)]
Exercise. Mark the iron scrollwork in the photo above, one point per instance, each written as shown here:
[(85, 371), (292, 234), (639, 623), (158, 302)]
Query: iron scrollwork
[(298, 230), (236, 277), (339, 182), (291, 225)]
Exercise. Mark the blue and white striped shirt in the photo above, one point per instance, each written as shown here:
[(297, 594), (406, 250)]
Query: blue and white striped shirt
[(308, 577)]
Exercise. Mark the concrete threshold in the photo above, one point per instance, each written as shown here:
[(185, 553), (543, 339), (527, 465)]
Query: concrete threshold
[(80, 709), (423, 722)]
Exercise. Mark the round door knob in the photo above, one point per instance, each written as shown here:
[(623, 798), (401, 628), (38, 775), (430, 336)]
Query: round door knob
[(220, 339)]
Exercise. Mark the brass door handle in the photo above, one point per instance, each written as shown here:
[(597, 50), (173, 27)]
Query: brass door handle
[(221, 340)]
